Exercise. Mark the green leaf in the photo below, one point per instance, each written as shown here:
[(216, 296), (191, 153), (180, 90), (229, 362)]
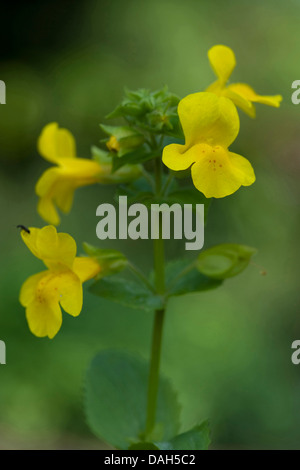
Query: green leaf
[(155, 112), (127, 292), (198, 438), (182, 277), (140, 155), (143, 446), (118, 131), (224, 261), (116, 399)]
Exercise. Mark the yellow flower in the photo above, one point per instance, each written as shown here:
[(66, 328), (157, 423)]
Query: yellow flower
[(56, 186), (222, 60), (44, 294), (210, 124)]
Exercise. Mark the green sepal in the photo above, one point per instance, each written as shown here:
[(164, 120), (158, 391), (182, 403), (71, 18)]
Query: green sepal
[(111, 261), (101, 156), (123, 174)]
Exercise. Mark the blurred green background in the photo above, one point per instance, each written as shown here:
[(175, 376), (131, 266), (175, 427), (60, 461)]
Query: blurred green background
[(227, 351)]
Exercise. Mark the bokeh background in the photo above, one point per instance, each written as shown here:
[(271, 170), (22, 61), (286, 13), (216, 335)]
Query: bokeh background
[(227, 351)]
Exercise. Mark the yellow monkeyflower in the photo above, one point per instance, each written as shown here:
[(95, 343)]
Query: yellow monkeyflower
[(222, 61), (210, 124), (56, 186), (44, 294)]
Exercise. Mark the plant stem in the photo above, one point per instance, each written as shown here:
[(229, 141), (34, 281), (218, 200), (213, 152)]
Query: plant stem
[(159, 269), (167, 183), (154, 370)]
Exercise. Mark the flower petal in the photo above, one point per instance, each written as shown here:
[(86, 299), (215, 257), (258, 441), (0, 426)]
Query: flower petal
[(28, 289), (55, 249), (70, 292), (222, 60), (30, 240), (55, 143), (44, 318), (64, 197), (57, 185), (240, 101), (47, 210), (207, 118), (47, 186), (249, 94), (177, 157), (221, 174), (47, 181), (86, 268)]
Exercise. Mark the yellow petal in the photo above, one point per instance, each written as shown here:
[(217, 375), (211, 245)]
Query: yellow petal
[(46, 188), (47, 210), (82, 169), (56, 186), (249, 94), (86, 268), (221, 173), (28, 289), (177, 157), (44, 318), (64, 197), (55, 143), (222, 60), (240, 101), (46, 182), (30, 240), (55, 249), (69, 287), (43, 292), (207, 118), (216, 87)]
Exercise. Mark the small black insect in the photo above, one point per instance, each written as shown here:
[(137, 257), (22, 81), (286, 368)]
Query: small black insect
[(22, 227)]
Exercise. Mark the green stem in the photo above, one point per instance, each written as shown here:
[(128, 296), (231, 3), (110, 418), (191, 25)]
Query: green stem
[(154, 370), (159, 269), (167, 183)]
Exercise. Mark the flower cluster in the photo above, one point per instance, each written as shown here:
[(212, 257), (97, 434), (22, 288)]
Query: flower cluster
[(210, 124)]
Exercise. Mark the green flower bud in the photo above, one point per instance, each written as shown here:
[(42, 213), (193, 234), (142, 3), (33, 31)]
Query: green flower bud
[(122, 139)]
